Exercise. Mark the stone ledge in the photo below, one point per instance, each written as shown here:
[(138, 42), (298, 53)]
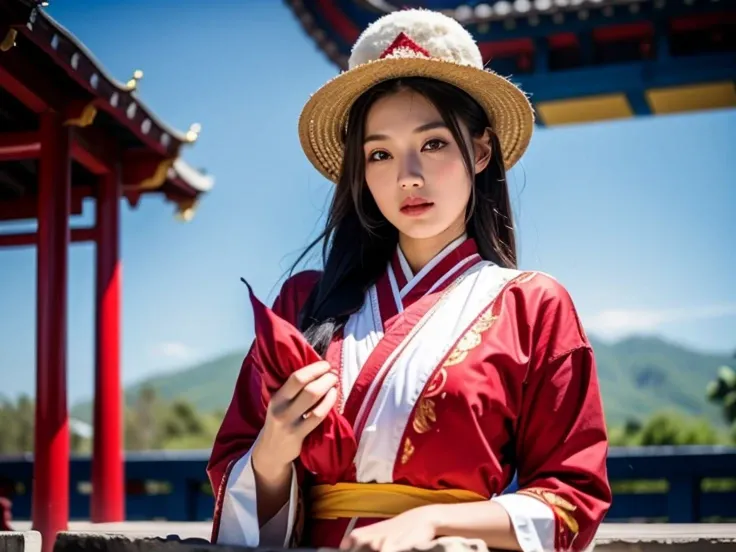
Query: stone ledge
[(20, 541), (719, 541)]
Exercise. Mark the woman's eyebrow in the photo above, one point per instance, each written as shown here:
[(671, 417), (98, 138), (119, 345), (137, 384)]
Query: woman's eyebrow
[(421, 128)]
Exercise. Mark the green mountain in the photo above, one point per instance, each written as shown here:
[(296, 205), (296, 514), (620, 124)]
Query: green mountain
[(638, 376), (641, 375)]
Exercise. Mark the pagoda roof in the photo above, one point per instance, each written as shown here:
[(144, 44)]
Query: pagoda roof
[(44, 66), (578, 60), (334, 25)]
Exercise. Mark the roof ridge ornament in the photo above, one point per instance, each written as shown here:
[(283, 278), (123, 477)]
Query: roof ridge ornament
[(132, 83), (193, 132)]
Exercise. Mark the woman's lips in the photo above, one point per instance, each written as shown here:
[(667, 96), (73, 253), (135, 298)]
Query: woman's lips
[(415, 206), (414, 209)]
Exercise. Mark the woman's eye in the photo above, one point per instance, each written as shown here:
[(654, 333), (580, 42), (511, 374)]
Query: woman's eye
[(433, 145), (378, 156)]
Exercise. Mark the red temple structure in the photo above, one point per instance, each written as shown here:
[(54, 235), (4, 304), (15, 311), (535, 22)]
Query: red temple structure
[(70, 132)]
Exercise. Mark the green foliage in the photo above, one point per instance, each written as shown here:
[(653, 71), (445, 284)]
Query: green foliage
[(155, 423), (150, 423), (16, 425), (722, 391), (666, 427)]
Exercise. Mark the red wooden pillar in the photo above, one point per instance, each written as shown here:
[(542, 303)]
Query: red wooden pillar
[(108, 479), (51, 452)]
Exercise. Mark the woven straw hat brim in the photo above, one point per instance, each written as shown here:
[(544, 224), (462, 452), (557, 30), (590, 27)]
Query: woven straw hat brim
[(324, 117)]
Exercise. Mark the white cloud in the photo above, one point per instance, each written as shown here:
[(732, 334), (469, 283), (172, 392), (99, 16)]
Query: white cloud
[(173, 350), (617, 323)]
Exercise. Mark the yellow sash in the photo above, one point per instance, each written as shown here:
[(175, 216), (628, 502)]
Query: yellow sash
[(379, 500)]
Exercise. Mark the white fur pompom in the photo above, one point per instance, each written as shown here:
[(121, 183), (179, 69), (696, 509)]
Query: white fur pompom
[(442, 36)]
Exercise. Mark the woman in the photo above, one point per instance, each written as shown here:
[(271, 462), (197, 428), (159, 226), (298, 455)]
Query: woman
[(453, 369)]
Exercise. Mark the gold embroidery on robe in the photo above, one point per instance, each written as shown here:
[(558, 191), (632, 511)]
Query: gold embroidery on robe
[(425, 413), (559, 505), (408, 451), (471, 339), (424, 416), (525, 277), (436, 384)]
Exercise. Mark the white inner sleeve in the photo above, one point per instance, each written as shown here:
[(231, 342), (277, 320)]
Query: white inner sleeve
[(239, 516), (533, 521)]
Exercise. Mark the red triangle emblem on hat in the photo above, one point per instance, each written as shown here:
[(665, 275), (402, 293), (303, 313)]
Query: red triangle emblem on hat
[(403, 42)]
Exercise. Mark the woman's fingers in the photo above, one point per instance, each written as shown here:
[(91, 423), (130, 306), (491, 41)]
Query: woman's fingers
[(317, 415), (301, 378), (312, 394)]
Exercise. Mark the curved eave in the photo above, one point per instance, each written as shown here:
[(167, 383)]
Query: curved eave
[(334, 28), (332, 24), (500, 10), (186, 176), (184, 187), (116, 98), (324, 42)]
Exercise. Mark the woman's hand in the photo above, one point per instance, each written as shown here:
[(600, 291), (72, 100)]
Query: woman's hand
[(296, 409), (417, 527)]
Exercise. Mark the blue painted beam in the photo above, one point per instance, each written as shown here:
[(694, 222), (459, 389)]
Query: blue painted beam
[(634, 77)]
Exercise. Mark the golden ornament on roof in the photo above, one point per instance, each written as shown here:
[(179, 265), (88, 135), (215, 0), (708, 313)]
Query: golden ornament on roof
[(132, 84)]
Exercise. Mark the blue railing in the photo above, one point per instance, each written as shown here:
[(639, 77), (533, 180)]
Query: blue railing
[(675, 484)]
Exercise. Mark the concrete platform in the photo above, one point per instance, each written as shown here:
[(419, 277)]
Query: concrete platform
[(612, 537), (20, 541)]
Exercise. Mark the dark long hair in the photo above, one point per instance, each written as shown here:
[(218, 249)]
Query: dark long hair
[(358, 241)]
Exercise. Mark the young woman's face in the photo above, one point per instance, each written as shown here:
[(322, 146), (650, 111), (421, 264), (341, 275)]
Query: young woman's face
[(414, 168)]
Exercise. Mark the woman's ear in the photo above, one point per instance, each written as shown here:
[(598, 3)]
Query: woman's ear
[(483, 150)]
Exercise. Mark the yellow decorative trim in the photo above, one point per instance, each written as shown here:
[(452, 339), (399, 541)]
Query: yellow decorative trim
[(9, 40), (586, 109), (694, 97), (379, 500), (86, 118), (159, 176), (424, 416), (471, 339), (559, 505), (408, 451), (525, 277)]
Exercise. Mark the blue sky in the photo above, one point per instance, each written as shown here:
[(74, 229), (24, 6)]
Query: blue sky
[(635, 217)]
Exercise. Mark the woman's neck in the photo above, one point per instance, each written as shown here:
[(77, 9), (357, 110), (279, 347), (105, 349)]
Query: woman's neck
[(419, 252)]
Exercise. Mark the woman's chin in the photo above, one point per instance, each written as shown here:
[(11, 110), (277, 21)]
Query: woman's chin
[(421, 230)]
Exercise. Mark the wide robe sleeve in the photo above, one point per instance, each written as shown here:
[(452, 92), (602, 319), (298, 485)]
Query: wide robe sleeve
[(561, 438), (230, 469)]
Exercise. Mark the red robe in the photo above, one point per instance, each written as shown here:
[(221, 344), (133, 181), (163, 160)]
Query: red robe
[(499, 378)]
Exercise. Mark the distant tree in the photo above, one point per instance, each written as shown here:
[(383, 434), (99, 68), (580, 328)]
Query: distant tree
[(143, 419), (625, 435), (16, 425), (665, 428), (722, 391), (152, 423)]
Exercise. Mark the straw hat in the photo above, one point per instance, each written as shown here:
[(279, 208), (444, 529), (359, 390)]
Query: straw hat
[(413, 43)]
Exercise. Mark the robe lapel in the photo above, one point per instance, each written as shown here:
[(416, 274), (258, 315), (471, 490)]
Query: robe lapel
[(385, 416), (398, 316)]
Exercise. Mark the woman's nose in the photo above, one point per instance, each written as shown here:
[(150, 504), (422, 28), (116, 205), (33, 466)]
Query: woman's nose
[(411, 174)]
